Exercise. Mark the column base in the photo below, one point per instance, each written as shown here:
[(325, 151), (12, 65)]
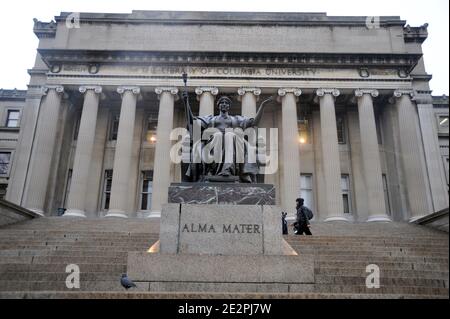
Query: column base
[(153, 215), (74, 213), (116, 213), (336, 219), (38, 211), (378, 218), (413, 219)]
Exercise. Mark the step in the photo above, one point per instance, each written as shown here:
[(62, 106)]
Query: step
[(64, 253), (327, 288), (384, 265), (78, 248), (388, 273), (58, 267), (98, 285), (384, 281), (61, 259), (374, 259), (198, 295), (59, 276)]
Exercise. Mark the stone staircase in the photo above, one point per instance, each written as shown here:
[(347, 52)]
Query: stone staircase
[(413, 260)]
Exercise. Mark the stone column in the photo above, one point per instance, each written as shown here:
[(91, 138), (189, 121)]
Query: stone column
[(248, 97), (205, 95), (291, 157), (411, 154), (371, 156), (83, 153), (122, 156), (330, 156), (429, 129), (162, 161), (43, 148)]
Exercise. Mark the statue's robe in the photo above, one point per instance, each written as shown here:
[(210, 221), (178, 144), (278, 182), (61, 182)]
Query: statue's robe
[(198, 170)]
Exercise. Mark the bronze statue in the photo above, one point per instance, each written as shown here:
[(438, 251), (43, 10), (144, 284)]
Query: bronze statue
[(226, 166)]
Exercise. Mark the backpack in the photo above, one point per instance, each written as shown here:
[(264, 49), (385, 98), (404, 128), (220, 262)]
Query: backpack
[(308, 213)]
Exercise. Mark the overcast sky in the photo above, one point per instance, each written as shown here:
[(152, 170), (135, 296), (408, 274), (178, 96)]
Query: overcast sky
[(19, 42)]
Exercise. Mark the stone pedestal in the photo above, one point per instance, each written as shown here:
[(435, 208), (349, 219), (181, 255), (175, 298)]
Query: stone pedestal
[(222, 193), (228, 247)]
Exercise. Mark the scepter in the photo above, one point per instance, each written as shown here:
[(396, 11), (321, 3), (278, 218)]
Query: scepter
[(186, 104), (188, 113)]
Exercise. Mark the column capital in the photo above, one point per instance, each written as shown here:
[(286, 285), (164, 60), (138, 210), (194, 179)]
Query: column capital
[(242, 90), (96, 88), (57, 88), (171, 89), (202, 89), (400, 93), (322, 92), (133, 89), (360, 93), (167, 89), (284, 91)]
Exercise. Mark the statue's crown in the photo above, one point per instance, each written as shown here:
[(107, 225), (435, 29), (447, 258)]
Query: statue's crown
[(226, 98)]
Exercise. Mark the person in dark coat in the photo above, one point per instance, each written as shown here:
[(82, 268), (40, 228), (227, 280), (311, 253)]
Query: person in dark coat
[(302, 224), (284, 223)]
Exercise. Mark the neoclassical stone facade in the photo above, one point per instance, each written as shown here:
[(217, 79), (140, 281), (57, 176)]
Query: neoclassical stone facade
[(357, 134)]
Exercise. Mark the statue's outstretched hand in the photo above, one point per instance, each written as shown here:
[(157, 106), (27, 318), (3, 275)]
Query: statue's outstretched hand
[(269, 99)]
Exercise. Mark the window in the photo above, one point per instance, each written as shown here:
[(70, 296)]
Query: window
[(114, 128), (386, 195), (107, 182), (340, 124), (345, 187), (150, 135), (304, 132), (5, 159), (12, 119), (443, 123), (146, 190), (68, 182), (306, 190), (3, 188)]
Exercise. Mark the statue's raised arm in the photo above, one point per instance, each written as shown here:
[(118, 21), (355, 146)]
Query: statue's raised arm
[(260, 112)]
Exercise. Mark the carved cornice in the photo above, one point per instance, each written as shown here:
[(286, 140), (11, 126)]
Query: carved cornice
[(201, 90), (44, 29), (405, 62), (97, 89), (13, 94), (322, 92), (133, 89), (360, 93), (415, 34)]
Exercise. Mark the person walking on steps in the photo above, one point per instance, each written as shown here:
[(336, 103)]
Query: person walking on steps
[(304, 214)]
